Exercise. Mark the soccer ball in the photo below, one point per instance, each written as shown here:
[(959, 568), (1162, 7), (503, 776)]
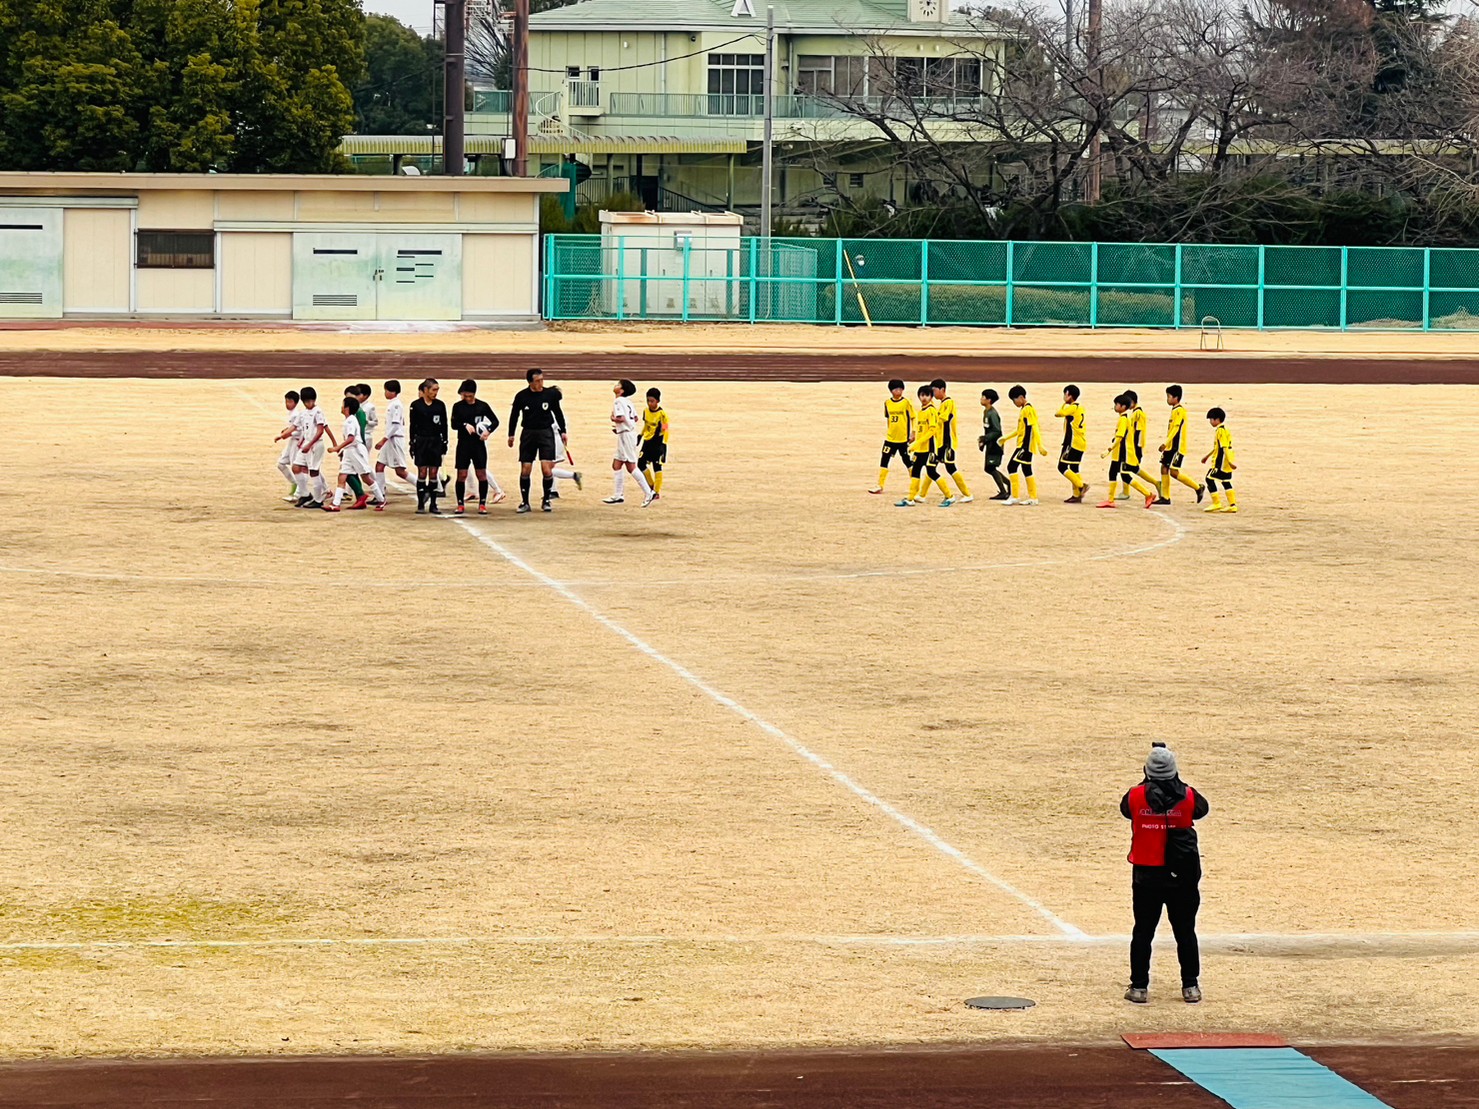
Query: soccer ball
[(483, 425)]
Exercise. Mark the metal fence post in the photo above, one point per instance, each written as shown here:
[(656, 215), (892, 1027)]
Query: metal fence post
[(1345, 278), (924, 282), (642, 286), (621, 278), (549, 277), (1427, 288), (1262, 253), (837, 277), (687, 267), (754, 282), (1011, 279), (1094, 284), (1176, 306)]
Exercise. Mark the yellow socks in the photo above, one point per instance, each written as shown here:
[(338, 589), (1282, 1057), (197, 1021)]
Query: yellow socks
[(1216, 505), (1143, 490), (1032, 488), (959, 479), (943, 487), (1186, 481), (1166, 487), (657, 483), (1232, 500), (1016, 486), (882, 477), (913, 488)]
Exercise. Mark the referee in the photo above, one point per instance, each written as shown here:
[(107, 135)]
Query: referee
[(539, 410)]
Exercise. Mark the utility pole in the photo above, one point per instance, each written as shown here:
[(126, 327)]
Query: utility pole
[(767, 146), (520, 62), (454, 84), (1094, 187)]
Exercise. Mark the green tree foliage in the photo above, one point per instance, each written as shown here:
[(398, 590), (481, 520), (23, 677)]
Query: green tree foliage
[(401, 90), (177, 85)]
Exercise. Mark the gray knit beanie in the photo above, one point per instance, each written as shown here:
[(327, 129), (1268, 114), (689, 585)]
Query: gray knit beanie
[(1160, 764)]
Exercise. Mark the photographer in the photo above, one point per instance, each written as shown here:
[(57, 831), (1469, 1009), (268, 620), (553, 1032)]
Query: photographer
[(1163, 850)]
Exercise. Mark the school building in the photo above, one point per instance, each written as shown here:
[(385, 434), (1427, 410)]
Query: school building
[(269, 246)]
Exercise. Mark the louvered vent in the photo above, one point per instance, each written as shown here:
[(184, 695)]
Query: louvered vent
[(21, 298), (335, 300)]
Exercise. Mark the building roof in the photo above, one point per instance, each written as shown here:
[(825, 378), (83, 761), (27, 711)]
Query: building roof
[(57, 184), (791, 17)]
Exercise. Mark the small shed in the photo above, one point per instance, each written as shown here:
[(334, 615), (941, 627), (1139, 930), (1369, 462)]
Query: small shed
[(679, 265)]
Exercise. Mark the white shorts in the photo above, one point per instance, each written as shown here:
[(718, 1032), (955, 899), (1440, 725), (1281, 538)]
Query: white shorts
[(626, 447), (289, 450), (393, 455), (354, 460), (314, 461)]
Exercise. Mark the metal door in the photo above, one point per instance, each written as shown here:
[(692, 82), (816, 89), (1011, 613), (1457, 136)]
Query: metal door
[(30, 263), (334, 276), (421, 277)]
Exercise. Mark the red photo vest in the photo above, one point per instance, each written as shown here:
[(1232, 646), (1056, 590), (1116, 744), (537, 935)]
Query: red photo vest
[(1148, 828)]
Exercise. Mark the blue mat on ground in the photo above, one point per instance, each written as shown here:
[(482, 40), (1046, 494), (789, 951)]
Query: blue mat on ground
[(1267, 1078)]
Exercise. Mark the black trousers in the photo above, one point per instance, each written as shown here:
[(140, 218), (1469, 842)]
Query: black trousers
[(1181, 903)]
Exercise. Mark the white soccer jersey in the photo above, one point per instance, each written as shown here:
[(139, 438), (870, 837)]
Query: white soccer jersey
[(313, 419), (298, 421), (624, 417), (395, 419), (372, 422)]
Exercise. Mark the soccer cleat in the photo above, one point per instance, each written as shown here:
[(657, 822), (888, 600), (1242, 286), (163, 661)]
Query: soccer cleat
[(304, 502), (1201, 492), (499, 497), (1077, 498), (1163, 500), (331, 508), (420, 510), (1150, 500), (876, 489), (380, 507), (459, 510), (1010, 500), (905, 503), (1029, 500), (967, 499), (947, 502), (434, 510), (1231, 508), (575, 477), (523, 508), (1106, 504), (1122, 496), (1213, 508), (545, 506), (613, 499), (648, 499), (291, 498), (1002, 497), (361, 501), (554, 494), (1191, 994), (1138, 994), (482, 510)]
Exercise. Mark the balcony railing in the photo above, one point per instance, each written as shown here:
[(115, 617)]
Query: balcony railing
[(584, 94), (667, 105), (492, 101)]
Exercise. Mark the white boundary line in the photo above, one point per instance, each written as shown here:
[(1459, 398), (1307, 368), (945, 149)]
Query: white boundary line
[(1274, 942), (724, 701)]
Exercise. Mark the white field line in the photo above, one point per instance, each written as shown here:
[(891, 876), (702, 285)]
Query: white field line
[(925, 833), (1253, 942)]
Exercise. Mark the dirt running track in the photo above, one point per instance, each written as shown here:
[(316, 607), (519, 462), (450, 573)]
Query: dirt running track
[(1191, 368), (1004, 1078)]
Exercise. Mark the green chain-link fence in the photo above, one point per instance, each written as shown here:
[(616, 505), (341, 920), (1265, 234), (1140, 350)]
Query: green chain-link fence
[(679, 276)]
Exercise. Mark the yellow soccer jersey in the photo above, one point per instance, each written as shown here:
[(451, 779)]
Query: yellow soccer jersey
[(655, 424), (1138, 424), (1177, 434), (1124, 441), (949, 437), (1028, 434), (926, 429), (1072, 416), (1222, 457), (900, 417)]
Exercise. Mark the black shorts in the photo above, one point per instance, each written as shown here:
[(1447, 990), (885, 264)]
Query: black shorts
[(1172, 460), (427, 453), (921, 459), (1114, 471), (945, 456), (472, 454), (654, 452), (1021, 459), (891, 449), (537, 444), (1220, 475), (1071, 458), (993, 458)]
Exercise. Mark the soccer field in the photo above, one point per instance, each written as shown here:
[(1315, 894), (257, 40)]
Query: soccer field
[(770, 762)]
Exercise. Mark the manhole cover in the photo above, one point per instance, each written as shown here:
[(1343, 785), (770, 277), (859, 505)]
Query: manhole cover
[(999, 1003)]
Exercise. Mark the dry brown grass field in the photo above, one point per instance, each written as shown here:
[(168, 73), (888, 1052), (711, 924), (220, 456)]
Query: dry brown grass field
[(771, 762)]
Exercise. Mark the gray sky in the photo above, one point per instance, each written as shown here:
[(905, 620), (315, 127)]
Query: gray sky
[(415, 13)]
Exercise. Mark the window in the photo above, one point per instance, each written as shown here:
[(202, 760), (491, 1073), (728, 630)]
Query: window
[(826, 76), (573, 72), (176, 250), (855, 180), (736, 84), (594, 73)]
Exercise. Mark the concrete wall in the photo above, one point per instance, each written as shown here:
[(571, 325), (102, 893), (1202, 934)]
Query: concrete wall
[(97, 260)]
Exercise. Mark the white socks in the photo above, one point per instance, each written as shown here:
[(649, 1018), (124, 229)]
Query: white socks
[(642, 484), (301, 481), (338, 495), (562, 473), (320, 487), (286, 470), (380, 485), (621, 483)]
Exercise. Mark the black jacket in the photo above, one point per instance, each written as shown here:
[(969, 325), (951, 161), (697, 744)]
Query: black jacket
[(540, 411), (464, 414), (1183, 858), (428, 422)]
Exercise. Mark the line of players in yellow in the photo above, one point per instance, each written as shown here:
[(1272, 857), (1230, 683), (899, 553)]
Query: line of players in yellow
[(928, 438)]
